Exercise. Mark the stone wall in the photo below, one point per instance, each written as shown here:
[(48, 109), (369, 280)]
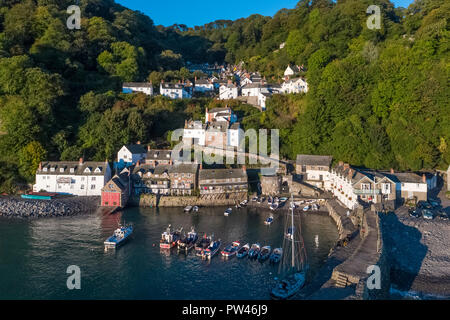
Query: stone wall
[(150, 200)]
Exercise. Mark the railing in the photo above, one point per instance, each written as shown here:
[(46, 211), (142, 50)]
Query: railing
[(367, 192)]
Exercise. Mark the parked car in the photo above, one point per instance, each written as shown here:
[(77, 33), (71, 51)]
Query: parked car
[(427, 214), (414, 213)]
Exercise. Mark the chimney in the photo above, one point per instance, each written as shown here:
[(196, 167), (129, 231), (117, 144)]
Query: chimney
[(346, 166), (230, 81), (138, 142), (162, 81), (392, 171), (244, 168), (185, 123), (149, 148), (201, 166), (195, 79), (40, 166), (81, 161), (138, 164), (424, 178)]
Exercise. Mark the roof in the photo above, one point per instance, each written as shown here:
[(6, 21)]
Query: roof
[(404, 177), (315, 160), (172, 86), (235, 126), (116, 180), (184, 168), (208, 174), (159, 154), (137, 85), (255, 85), (351, 173), (218, 110), (135, 148), (202, 81), (218, 126), (79, 169)]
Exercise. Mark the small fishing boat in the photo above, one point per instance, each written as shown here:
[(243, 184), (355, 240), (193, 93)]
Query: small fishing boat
[(276, 255), (283, 199), (244, 203), (274, 206), (186, 244), (231, 249), (306, 208), (268, 221), (211, 250), (315, 207), (238, 206), (228, 212), (264, 254), (254, 251), (119, 237), (195, 208), (188, 209), (243, 251), (269, 201), (169, 238), (202, 244)]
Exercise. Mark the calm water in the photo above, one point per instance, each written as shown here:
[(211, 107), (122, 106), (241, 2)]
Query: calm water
[(35, 254)]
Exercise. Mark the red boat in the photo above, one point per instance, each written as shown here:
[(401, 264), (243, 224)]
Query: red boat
[(231, 249)]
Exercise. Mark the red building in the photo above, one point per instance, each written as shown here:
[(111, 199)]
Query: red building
[(117, 191)]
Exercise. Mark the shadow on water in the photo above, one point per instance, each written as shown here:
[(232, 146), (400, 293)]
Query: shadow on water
[(405, 252)]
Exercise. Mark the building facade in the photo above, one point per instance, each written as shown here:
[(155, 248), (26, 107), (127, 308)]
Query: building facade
[(144, 87), (132, 153), (314, 170), (183, 179), (70, 177), (223, 181)]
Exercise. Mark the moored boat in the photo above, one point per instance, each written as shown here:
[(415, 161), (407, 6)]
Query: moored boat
[(244, 203), (228, 212), (274, 206), (119, 237), (276, 255), (264, 254), (211, 250), (243, 251), (188, 209), (195, 208), (269, 220), (306, 208), (231, 249), (169, 238), (289, 286), (202, 244), (186, 244), (254, 251)]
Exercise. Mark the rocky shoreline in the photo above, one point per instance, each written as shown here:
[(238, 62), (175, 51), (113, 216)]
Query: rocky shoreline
[(14, 207)]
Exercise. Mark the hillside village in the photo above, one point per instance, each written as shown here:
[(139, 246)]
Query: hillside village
[(225, 83)]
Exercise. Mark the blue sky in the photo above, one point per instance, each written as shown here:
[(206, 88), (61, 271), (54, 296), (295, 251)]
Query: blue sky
[(199, 12)]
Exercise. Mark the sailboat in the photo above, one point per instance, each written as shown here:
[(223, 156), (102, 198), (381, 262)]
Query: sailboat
[(293, 263)]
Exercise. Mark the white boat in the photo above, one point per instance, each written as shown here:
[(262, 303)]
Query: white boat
[(306, 208), (274, 206), (315, 207), (293, 261), (283, 199), (195, 208), (244, 203), (227, 212), (188, 209)]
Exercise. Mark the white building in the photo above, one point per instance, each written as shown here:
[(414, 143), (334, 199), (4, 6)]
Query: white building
[(145, 87), (131, 153), (297, 85), (254, 89), (314, 169), (71, 177), (195, 131), (203, 85), (262, 98), (229, 91), (220, 114), (234, 135), (291, 70), (174, 91)]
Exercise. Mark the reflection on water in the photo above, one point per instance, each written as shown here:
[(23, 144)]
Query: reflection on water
[(35, 254)]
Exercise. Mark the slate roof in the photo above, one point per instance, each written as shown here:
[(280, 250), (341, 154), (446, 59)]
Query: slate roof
[(208, 174), (79, 169), (138, 85), (184, 168), (159, 154), (136, 148), (313, 160)]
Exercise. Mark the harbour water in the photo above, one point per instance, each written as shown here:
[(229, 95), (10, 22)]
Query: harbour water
[(35, 254)]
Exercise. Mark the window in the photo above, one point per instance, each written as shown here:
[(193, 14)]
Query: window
[(82, 178), (92, 186), (93, 178), (365, 186), (82, 187)]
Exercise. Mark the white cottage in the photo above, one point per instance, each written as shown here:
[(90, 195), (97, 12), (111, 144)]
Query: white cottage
[(131, 153), (228, 91), (71, 177), (174, 91), (297, 85), (145, 87)]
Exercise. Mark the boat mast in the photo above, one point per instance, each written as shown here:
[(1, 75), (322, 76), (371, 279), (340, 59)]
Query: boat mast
[(292, 226)]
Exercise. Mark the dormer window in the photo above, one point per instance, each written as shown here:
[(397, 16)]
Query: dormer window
[(72, 170), (98, 170), (87, 170), (52, 169), (45, 169), (61, 169)]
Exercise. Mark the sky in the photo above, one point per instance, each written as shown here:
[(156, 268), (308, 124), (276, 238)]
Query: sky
[(200, 12)]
